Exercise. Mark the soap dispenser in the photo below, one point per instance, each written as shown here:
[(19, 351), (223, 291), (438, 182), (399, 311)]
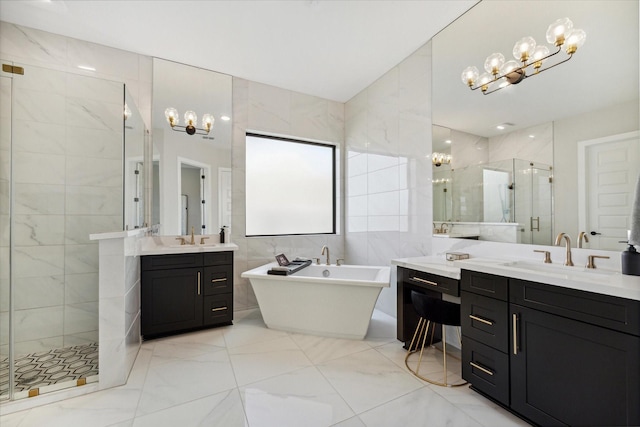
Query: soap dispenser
[(631, 261), (222, 235)]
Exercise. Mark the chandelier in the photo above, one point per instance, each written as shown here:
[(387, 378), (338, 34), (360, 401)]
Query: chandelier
[(191, 119), (438, 159), (529, 57)]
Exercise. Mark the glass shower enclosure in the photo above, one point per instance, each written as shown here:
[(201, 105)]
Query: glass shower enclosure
[(61, 179)]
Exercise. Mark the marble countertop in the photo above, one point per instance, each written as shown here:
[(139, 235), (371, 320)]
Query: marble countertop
[(163, 245), (601, 281)]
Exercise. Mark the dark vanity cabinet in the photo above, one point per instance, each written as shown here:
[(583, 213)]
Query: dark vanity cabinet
[(182, 292), (554, 355), (430, 284)]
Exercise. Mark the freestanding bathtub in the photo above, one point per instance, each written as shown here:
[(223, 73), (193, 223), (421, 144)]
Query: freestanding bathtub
[(331, 301)]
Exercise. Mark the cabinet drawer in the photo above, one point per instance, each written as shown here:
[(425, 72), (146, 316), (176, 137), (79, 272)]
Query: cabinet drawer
[(485, 284), (486, 368), (615, 313), (218, 309), (432, 281), (485, 320), (163, 262), (218, 258), (217, 280)]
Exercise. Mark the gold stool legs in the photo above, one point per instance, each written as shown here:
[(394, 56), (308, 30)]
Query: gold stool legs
[(422, 330)]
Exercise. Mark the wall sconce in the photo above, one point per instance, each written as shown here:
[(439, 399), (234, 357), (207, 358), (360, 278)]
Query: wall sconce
[(503, 74), (439, 159), (191, 119)]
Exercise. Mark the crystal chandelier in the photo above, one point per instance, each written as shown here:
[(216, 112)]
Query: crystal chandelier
[(529, 57)]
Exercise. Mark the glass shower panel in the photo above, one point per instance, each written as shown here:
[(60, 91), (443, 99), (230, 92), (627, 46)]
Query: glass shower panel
[(541, 204), (5, 264), (66, 176)]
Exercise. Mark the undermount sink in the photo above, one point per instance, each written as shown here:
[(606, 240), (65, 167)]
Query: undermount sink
[(563, 271)]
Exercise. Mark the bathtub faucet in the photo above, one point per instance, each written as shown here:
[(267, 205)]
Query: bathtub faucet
[(325, 248)]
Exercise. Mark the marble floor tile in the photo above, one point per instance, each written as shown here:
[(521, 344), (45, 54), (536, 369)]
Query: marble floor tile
[(219, 410), (262, 360), (302, 397), (179, 381), (419, 408), (247, 375), (368, 379), (321, 349)]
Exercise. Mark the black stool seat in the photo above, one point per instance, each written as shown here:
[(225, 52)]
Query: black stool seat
[(436, 310), (432, 311)]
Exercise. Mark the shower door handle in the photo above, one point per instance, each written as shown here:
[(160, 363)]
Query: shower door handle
[(537, 220)]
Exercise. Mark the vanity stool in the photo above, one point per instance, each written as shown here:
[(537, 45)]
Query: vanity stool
[(432, 311)]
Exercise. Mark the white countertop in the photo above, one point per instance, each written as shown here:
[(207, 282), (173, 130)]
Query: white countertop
[(599, 281), (455, 235), (163, 245)]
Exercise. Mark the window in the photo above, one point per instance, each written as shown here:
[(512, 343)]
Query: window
[(290, 186)]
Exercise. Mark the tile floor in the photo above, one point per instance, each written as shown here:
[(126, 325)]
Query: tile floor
[(248, 375)]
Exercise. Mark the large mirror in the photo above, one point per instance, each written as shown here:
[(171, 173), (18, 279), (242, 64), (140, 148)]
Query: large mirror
[(192, 184), (567, 156)]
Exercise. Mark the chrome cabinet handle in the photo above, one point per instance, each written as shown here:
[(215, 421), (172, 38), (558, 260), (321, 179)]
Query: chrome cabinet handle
[(482, 368), (515, 333), (219, 309), (480, 319), (418, 279), (198, 283), (218, 280)]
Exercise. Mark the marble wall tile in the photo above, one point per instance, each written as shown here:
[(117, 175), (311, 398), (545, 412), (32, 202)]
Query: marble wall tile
[(81, 317), (82, 338), (37, 261), (106, 60), (86, 200), (383, 180), (309, 116), (357, 185), (38, 292), (269, 108), (35, 168), (38, 46), (80, 288), (87, 171), (100, 143), (38, 230), (387, 203), (79, 259), (357, 163), (37, 323), (87, 113), (36, 137), (382, 128), (34, 346), (77, 228), (38, 106), (357, 206), (384, 90), (39, 199), (383, 223)]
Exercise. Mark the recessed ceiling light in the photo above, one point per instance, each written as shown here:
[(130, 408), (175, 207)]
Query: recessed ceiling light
[(500, 127), (86, 67), (532, 136), (448, 141), (225, 118)]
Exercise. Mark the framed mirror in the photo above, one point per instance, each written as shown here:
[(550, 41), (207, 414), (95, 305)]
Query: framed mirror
[(556, 126), (188, 167)]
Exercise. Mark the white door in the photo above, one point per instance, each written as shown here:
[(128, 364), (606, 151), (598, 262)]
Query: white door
[(611, 168)]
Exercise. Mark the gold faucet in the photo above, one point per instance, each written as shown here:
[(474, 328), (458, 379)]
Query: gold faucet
[(193, 240), (582, 236), (325, 248), (442, 228), (567, 239), (590, 260)]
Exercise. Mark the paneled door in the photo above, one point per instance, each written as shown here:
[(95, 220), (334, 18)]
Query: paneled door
[(609, 169)]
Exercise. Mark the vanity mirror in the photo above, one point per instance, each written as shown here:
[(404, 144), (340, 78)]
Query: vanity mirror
[(580, 118), (192, 185)]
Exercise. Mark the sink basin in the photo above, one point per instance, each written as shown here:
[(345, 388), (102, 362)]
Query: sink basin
[(562, 271)]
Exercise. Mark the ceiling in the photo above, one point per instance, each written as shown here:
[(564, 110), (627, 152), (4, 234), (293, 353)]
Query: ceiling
[(331, 49)]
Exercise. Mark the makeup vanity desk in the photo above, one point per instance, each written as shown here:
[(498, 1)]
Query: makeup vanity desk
[(554, 345)]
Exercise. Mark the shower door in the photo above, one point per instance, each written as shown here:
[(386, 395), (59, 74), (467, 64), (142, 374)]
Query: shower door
[(61, 172)]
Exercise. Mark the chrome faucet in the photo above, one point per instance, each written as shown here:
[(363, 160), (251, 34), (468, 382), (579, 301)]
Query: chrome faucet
[(325, 248), (581, 237), (567, 239)]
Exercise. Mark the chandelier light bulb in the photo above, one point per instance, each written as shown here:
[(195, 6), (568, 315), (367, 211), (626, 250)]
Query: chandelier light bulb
[(493, 63), (523, 49), (207, 122), (575, 40), (172, 116), (483, 81), (470, 75), (558, 31), (539, 53)]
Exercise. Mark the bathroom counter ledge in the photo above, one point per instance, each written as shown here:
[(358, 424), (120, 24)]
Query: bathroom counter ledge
[(163, 245), (430, 264)]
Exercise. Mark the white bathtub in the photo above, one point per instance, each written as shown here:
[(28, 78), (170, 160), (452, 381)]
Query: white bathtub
[(339, 305)]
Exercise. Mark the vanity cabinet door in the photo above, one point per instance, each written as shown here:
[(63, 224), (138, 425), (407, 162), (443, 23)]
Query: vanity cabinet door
[(171, 300), (566, 372)]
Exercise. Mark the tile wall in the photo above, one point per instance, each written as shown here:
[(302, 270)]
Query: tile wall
[(267, 109), (388, 197)]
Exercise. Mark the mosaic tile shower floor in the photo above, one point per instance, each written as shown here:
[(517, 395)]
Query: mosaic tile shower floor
[(51, 367)]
